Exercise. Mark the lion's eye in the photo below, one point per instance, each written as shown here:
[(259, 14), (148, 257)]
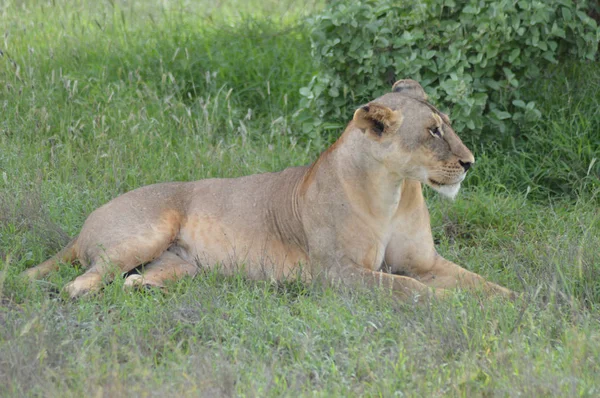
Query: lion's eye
[(436, 132)]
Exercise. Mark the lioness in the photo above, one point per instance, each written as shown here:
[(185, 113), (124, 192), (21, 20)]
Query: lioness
[(356, 215)]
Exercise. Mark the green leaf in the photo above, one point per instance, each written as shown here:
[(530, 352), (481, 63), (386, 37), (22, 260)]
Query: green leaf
[(508, 73), (501, 115), (470, 10), (493, 84), (306, 92), (514, 54)]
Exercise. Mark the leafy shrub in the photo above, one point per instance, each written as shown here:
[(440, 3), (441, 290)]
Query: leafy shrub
[(473, 57)]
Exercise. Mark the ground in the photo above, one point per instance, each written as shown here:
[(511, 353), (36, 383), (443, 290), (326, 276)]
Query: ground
[(99, 99)]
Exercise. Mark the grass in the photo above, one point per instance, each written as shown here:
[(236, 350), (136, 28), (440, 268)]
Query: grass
[(100, 98)]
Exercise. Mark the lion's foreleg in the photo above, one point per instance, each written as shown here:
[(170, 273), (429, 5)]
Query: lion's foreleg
[(405, 288), (446, 275)]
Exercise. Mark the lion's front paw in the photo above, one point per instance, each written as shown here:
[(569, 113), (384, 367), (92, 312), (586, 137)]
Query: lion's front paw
[(77, 289), (431, 294), (137, 281), (504, 292)]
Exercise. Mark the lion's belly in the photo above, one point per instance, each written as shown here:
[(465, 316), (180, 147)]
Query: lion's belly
[(210, 242)]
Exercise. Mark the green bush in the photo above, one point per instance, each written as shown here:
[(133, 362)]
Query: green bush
[(474, 57)]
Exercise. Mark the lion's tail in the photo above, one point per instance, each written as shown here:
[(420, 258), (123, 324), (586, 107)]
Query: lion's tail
[(67, 255)]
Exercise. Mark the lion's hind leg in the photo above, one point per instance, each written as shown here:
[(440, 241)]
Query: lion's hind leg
[(107, 263), (67, 255), (114, 251), (167, 267)]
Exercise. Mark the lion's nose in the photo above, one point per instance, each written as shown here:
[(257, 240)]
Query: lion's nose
[(465, 165)]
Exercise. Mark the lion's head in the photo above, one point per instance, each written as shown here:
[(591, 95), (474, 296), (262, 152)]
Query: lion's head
[(410, 137)]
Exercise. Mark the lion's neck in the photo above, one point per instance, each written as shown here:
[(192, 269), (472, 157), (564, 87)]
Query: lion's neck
[(366, 182)]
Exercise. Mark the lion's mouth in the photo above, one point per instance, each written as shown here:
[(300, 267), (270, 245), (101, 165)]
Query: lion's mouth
[(434, 182), (443, 184), (447, 189)]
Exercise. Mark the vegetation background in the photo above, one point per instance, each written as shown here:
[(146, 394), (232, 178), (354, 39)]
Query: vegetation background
[(98, 98)]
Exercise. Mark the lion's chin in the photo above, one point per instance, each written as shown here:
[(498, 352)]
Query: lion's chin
[(448, 190)]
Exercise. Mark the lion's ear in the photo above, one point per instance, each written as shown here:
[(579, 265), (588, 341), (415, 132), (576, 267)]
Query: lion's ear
[(376, 119), (410, 88)]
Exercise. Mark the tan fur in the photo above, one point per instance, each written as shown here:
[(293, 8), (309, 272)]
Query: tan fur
[(355, 216)]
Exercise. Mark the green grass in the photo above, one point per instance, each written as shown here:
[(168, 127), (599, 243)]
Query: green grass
[(101, 98)]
